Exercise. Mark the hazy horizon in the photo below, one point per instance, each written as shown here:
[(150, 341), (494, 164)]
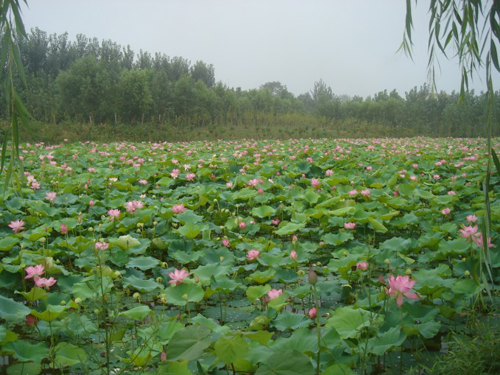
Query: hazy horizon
[(351, 46)]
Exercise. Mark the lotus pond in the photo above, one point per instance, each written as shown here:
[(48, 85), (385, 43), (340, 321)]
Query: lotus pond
[(266, 257)]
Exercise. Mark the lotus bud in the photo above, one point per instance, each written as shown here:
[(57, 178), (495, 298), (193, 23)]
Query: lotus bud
[(91, 229), (136, 295), (159, 279), (312, 277)]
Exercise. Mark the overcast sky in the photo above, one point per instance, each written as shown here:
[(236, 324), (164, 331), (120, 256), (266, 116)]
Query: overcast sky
[(350, 44)]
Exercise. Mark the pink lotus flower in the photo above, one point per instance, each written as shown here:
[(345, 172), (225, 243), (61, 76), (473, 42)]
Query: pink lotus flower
[(253, 254), (312, 314), (400, 287), (51, 196), (17, 226), (260, 190), (225, 242), (349, 225), (229, 184), (468, 232), (64, 229), (315, 182), (365, 192), (478, 240), (178, 276), (275, 222), (274, 293), (471, 218), (114, 214), (329, 172), (294, 239), (190, 176), (35, 271), (362, 266), (178, 208), (45, 283), (353, 192), (143, 182), (242, 225), (446, 211), (293, 255), (91, 203), (134, 206), (101, 245)]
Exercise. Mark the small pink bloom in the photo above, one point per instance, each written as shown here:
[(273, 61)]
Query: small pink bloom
[(349, 225), (101, 245), (17, 225), (34, 271), (362, 266), (190, 176), (315, 182), (369, 168), (242, 225), (260, 190), (293, 255), (294, 239), (225, 242), (229, 184), (45, 283), (312, 314), (114, 214), (91, 203), (381, 279), (352, 193), (446, 211), (253, 254), (471, 218), (478, 240), (143, 182), (329, 172), (275, 222), (178, 208), (64, 229), (133, 206), (365, 192), (468, 232), (451, 192), (91, 170), (400, 287), (51, 196), (178, 276), (274, 293)]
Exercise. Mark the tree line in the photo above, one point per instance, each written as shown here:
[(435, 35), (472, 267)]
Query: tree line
[(101, 82)]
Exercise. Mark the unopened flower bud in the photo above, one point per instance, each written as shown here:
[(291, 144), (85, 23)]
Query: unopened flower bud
[(312, 277)]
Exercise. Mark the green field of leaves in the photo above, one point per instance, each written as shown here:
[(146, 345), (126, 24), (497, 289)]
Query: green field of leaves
[(268, 257)]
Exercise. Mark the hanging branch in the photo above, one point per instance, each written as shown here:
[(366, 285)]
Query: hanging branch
[(471, 30), (11, 31)]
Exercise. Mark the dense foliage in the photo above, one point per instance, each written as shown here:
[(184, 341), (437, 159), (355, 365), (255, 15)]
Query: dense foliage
[(266, 257), (92, 81)]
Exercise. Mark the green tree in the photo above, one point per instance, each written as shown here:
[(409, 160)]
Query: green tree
[(135, 94)]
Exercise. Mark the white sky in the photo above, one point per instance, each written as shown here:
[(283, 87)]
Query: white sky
[(350, 44)]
